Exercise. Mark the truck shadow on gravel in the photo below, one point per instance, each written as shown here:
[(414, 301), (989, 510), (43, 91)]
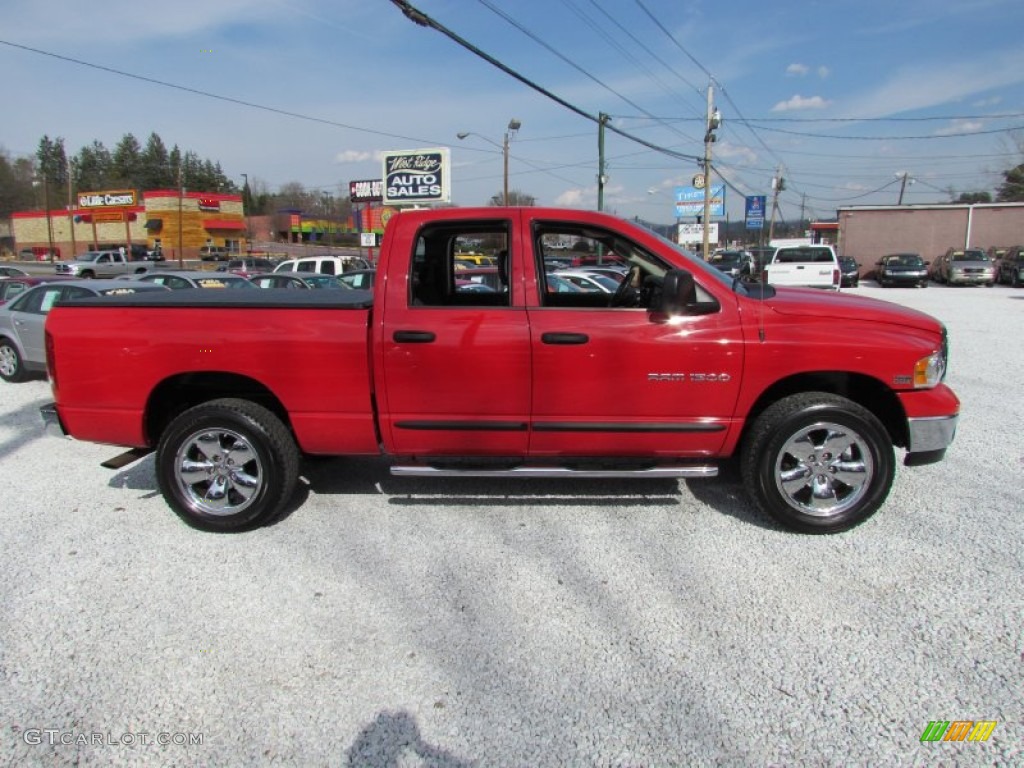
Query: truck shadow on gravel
[(371, 476)]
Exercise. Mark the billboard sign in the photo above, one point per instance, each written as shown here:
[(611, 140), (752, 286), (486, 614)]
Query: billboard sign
[(366, 191), (690, 201), (417, 176), (693, 234), (754, 211)]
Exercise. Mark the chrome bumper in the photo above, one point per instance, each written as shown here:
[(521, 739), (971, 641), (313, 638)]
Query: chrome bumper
[(931, 434), (51, 420)]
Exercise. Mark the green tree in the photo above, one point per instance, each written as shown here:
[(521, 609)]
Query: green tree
[(16, 192), (515, 197), (974, 197), (1012, 189), (155, 170), (127, 162), (92, 168), (51, 162)]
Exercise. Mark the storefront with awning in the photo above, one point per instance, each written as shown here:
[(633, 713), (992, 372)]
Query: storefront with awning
[(177, 224)]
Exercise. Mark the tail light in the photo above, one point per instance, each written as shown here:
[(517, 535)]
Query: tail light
[(51, 362)]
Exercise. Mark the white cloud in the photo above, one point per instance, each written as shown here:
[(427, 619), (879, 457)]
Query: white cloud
[(353, 156), (957, 127), (824, 72), (571, 198), (797, 70), (989, 102), (736, 153), (918, 87), (799, 102)]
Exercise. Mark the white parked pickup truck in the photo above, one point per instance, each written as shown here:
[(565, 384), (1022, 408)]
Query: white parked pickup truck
[(101, 264), (811, 266)]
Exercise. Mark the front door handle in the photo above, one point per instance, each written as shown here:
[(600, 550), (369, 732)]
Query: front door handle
[(564, 338), (413, 337)]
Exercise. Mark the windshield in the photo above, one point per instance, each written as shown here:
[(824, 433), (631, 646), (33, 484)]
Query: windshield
[(90, 256), (970, 256), (905, 260)]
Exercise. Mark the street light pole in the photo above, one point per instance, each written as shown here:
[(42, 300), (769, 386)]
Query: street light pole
[(513, 126)]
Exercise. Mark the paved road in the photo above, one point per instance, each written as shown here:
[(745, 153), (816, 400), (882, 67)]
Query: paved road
[(388, 622)]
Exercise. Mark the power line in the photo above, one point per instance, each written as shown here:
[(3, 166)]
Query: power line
[(420, 18), (216, 96)]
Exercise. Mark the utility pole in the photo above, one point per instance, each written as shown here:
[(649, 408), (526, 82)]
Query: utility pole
[(602, 119), (778, 184), (903, 186), (713, 120), (71, 215), (181, 200)]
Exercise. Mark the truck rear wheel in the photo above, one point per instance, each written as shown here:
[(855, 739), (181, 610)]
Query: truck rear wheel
[(818, 463), (227, 465)]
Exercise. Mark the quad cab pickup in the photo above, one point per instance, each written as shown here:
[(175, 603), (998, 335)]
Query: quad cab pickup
[(680, 369), (807, 266), (102, 264)]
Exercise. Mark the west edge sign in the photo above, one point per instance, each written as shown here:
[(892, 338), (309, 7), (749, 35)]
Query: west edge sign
[(115, 199), (417, 176)]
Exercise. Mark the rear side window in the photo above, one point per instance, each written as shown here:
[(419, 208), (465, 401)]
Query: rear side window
[(439, 278)]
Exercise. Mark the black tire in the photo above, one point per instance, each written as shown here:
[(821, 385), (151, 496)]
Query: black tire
[(12, 368), (236, 448), (1015, 279), (88, 275), (820, 490)]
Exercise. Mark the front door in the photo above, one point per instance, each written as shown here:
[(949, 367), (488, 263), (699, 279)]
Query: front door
[(621, 381)]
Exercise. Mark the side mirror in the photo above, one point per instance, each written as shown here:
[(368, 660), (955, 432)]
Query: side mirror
[(679, 296)]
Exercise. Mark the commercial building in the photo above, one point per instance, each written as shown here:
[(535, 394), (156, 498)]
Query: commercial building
[(162, 219), (869, 232)]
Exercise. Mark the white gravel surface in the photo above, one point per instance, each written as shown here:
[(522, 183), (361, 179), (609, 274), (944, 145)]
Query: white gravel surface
[(404, 622)]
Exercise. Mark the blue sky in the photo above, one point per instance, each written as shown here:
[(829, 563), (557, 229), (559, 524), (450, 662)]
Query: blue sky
[(844, 96)]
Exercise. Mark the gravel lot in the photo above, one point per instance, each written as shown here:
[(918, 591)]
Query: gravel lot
[(389, 622)]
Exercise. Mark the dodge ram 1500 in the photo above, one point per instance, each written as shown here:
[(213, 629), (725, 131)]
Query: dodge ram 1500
[(680, 369)]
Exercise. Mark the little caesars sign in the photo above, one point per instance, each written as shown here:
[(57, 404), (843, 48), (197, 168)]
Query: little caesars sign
[(417, 176), (118, 199)]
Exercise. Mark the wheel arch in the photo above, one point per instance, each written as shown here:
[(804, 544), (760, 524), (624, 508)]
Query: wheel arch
[(177, 394), (864, 390)]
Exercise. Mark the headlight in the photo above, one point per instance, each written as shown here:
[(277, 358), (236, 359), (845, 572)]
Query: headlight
[(929, 371)]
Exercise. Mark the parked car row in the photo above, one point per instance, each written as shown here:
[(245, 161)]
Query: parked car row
[(23, 317)]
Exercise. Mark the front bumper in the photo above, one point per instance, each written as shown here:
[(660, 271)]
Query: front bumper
[(928, 439), (971, 279), (51, 420)]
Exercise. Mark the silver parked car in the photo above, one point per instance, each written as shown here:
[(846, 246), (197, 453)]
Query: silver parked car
[(964, 266), (23, 319)]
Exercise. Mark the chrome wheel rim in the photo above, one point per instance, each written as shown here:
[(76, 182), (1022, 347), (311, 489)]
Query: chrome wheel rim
[(218, 471), (824, 469), (8, 361)]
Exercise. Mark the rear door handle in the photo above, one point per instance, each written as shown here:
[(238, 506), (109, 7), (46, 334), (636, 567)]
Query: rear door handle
[(564, 338), (413, 337)]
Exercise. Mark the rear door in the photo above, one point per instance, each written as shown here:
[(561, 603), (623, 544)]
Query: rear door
[(454, 356)]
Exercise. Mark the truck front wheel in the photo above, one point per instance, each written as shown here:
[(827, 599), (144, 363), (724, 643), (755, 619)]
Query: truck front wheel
[(818, 463), (227, 465)]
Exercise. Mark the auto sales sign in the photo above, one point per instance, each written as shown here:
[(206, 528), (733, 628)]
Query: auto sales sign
[(417, 176)]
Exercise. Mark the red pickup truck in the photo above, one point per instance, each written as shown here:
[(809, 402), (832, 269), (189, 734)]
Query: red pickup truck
[(680, 369)]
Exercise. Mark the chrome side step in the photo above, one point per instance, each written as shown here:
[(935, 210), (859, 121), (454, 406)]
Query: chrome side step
[(646, 473)]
